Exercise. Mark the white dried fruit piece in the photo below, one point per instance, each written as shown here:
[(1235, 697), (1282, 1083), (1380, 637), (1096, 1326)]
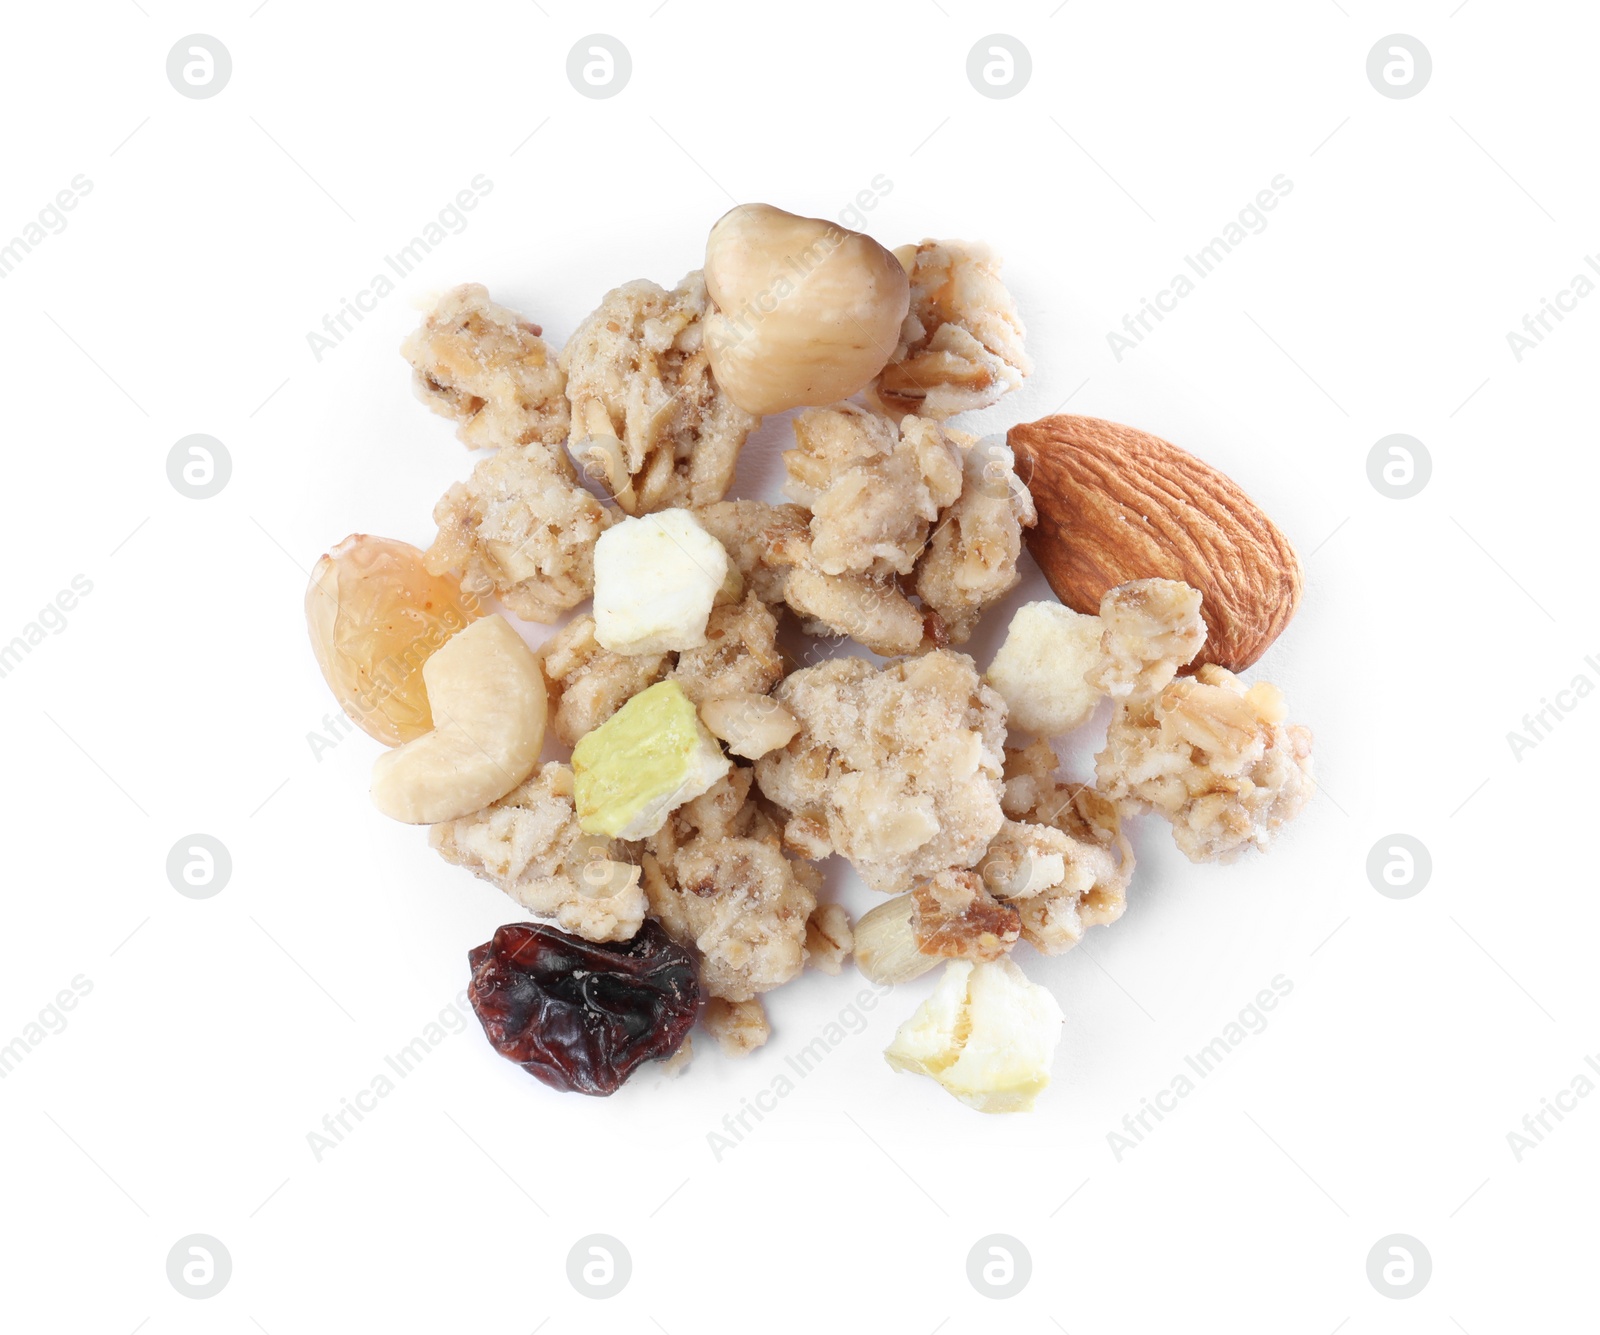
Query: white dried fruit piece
[(589, 684), (487, 698), (1212, 756), (829, 938), (521, 528), (1149, 629), (961, 346), (717, 880), (529, 844), (651, 756), (1041, 670), (807, 311), (740, 1027), (656, 580), (649, 421), (874, 489), (971, 559), (898, 768), (486, 367), (987, 1034)]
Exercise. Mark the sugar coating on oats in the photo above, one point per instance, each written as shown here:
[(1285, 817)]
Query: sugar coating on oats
[(521, 528), (957, 918), (740, 1027), (1212, 756), (971, 560), (485, 367), (740, 655), (961, 346), (872, 610), (648, 419), (898, 768), (528, 843), (755, 535), (874, 489), (587, 684), (1062, 859), (830, 938), (717, 879), (1149, 628)]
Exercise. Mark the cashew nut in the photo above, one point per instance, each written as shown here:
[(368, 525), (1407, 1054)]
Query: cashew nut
[(487, 696)]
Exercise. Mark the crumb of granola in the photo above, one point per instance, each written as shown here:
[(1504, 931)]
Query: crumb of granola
[(528, 843), (648, 419), (961, 346), (678, 1063), (753, 533), (740, 1027), (971, 561), (484, 366), (1050, 819), (957, 918), (873, 610), (740, 655), (521, 528), (1212, 756), (874, 489), (898, 768), (717, 878), (1149, 629), (829, 938), (588, 684)]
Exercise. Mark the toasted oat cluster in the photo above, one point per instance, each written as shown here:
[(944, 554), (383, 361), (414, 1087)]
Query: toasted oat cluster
[(1214, 757), (898, 768), (760, 540), (588, 684), (961, 346), (718, 879), (528, 843), (522, 529), (971, 561), (648, 419), (487, 368), (957, 918), (874, 490), (1149, 629), (740, 1027)]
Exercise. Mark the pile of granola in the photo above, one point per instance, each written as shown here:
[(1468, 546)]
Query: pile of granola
[(703, 774)]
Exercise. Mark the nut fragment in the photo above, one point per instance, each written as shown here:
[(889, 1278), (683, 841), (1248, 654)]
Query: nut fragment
[(488, 701), (957, 918), (961, 345), (1117, 504), (807, 311), (986, 1034), (750, 725), (486, 367), (886, 943)]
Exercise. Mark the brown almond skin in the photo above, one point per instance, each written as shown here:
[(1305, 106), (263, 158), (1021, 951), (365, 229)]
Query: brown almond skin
[(1117, 504)]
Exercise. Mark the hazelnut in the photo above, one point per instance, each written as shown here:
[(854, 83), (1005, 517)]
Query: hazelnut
[(808, 312)]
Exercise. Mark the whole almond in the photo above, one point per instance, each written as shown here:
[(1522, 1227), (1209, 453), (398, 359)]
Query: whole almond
[(1117, 504)]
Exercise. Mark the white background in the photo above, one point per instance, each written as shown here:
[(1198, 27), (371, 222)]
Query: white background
[(180, 695)]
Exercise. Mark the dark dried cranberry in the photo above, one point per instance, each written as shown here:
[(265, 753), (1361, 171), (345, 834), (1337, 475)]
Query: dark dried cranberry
[(580, 1015)]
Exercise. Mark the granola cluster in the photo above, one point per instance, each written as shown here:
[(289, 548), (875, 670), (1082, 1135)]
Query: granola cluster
[(648, 420)]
